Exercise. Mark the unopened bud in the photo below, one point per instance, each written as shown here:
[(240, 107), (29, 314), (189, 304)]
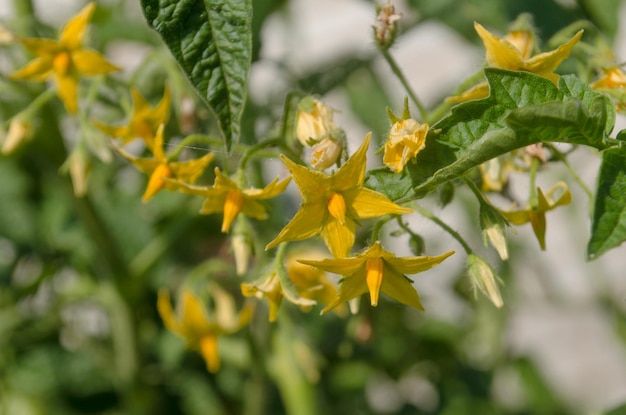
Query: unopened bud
[(19, 131), (484, 278), (314, 121), (385, 29), (325, 153), (241, 246), (493, 225)]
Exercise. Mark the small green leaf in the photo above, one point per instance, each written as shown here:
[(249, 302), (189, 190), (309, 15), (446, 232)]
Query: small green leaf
[(608, 228), (522, 109), (211, 40)]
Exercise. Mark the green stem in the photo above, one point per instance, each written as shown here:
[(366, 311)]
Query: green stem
[(429, 215), (247, 155), (444, 107), (398, 73), (533, 200), (378, 227), (25, 17)]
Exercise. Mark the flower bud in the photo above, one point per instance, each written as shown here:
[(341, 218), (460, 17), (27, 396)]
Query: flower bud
[(493, 225), (19, 131), (386, 28), (325, 153), (314, 121), (484, 278)]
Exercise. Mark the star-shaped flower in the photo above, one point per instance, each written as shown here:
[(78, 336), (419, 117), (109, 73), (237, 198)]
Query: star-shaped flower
[(65, 60), (228, 197), (376, 270), (160, 167), (536, 215), (333, 203), (200, 329), (144, 120), (513, 53)]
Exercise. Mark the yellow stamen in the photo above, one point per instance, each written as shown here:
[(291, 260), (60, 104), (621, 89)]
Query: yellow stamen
[(337, 207), (156, 182), (61, 63), (232, 207), (374, 277)]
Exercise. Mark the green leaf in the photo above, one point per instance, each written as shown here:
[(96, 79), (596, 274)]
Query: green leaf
[(211, 40), (608, 228), (522, 109)]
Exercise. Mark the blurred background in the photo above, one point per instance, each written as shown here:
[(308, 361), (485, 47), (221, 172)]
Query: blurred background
[(79, 331)]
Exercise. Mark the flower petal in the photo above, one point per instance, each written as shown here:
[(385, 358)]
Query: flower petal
[(189, 171), (89, 62), (341, 266), (364, 203), (209, 351), (338, 237), (164, 306), (306, 223), (352, 172), (67, 88), (72, 34), (413, 265), (398, 287), (349, 288), (39, 69), (271, 190), (312, 184), (500, 53), (546, 63)]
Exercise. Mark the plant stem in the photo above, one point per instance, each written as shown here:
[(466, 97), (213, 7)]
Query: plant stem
[(427, 214), (398, 73), (556, 153), (25, 16)]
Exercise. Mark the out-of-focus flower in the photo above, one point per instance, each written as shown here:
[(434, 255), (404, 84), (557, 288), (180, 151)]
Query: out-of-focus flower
[(386, 26), (19, 131), (160, 168), (200, 329), (314, 121), (613, 77), (536, 214), (65, 60), (333, 203), (513, 53), (144, 120), (226, 196), (78, 166), (376, 270), (406, 139), (484, 278)]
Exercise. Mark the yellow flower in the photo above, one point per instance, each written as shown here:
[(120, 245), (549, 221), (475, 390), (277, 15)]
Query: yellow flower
[(200, 329), (536, 215), (613, 78), (65, 60), (144, 120), (376, 270), (160, 168), (406, 139), (332, 204), (226, 196), (513, 53), (314, 121)]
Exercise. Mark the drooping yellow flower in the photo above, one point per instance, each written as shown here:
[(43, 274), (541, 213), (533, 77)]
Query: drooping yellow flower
[(536, 215), (406, 139), (160, 168), (484, 278), (513, 53), (144, 120), (199, 328), (333, 203), (19, 131), (300, 284), (377, 270), (225, 196), (65, 60)]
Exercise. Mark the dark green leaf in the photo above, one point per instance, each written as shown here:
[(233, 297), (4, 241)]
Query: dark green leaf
[(522, 109), (211, 40), (608, 229)]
